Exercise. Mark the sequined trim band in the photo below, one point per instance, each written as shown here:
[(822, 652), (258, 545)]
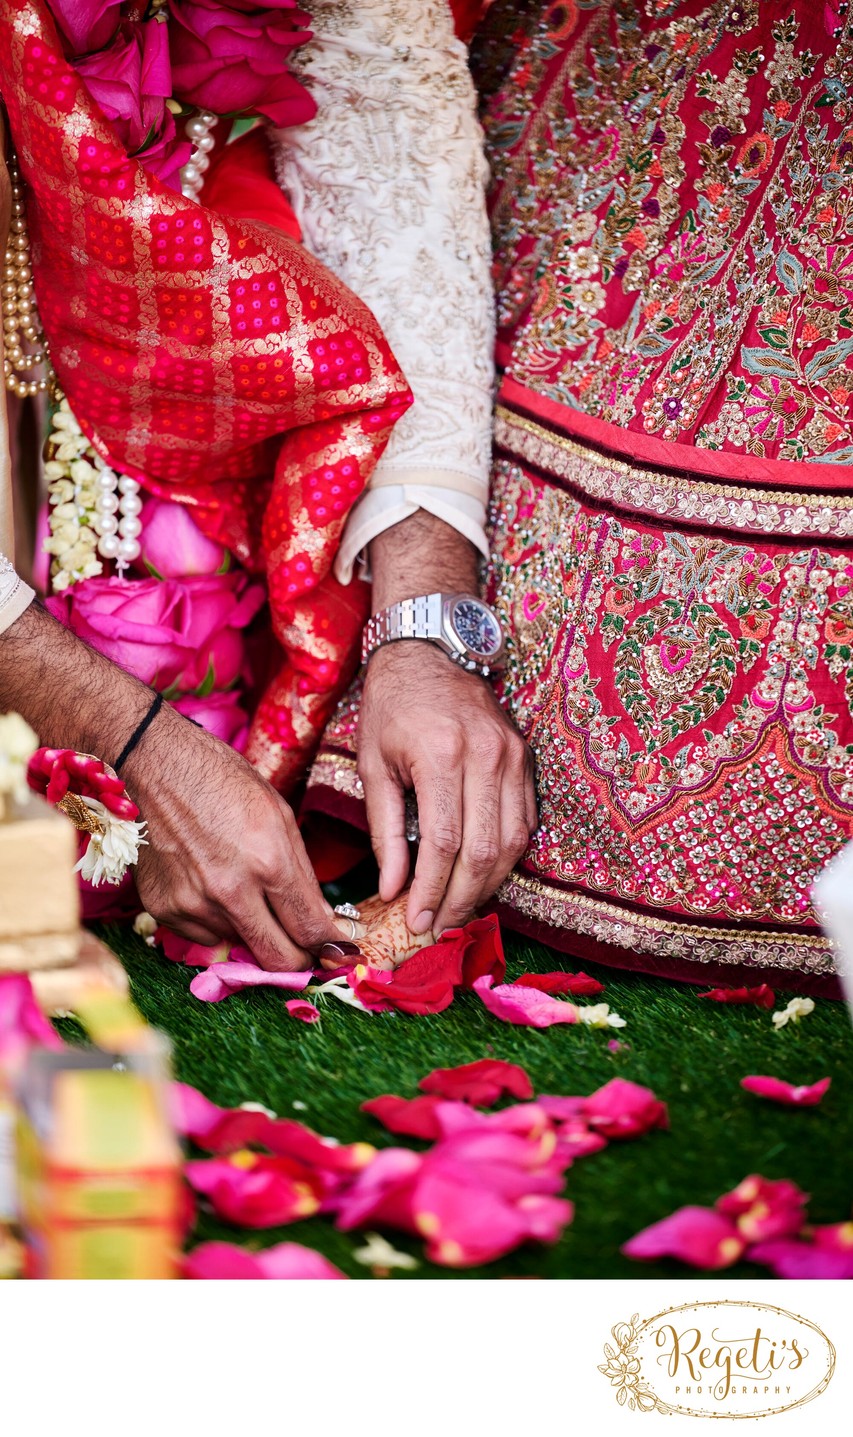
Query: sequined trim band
[(337, 772), (672, 496), (666, 938)]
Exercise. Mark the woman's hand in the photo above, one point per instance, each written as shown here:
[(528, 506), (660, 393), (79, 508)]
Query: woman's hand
[(429, 726)]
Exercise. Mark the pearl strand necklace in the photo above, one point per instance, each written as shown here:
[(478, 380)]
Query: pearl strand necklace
[(198, 130), (86, 511), (119, 536), (20, 320)]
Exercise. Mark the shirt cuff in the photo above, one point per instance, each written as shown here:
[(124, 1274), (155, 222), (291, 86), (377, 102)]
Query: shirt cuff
[(382, 508), (15, 595)]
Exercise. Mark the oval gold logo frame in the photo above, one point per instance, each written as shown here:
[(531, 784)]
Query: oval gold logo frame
[(635, 1390)]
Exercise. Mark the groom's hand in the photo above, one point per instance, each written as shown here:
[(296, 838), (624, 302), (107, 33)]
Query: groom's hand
[(225, 857), (427, 726)]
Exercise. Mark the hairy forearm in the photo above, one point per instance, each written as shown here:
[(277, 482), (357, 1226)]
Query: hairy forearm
[(72, 696), (422, 555)]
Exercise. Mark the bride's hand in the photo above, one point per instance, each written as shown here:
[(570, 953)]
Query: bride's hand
[(429, 726)]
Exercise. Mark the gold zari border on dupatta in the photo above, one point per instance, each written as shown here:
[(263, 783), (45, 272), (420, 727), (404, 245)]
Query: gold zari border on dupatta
[(692, 500)]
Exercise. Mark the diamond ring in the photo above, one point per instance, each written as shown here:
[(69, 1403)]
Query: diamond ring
[(348, 910)]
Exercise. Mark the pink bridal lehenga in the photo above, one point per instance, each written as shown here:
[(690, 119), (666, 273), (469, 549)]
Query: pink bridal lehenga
[(672, 507)]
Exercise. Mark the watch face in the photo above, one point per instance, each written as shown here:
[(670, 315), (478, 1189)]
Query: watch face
[(476, 627)]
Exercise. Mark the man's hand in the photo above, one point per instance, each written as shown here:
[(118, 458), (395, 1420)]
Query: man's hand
[(225, 857), (428, 726)]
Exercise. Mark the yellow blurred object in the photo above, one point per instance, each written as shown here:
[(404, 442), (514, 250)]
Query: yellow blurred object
[(39, 902), (60, 990), (98, 1162)]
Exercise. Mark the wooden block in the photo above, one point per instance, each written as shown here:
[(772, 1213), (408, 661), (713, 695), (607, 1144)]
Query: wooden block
[(58, 989), (39, 901)]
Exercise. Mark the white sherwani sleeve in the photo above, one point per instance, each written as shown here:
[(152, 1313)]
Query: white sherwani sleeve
[(388, 185)]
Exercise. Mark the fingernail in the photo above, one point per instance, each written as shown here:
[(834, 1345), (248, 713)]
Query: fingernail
[(340, 950), (423, 922)]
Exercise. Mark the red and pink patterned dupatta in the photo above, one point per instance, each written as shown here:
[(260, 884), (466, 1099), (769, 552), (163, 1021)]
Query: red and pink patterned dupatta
[(213, 360)]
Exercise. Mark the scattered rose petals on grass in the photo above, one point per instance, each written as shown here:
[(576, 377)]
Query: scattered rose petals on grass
[(228, 1130), (222, 979), (222, 1260), (302, 1009), (487, 1184), (525, 1006), (764, 1208), (699, 1236), (256, 1190), (762, 996), (480, 1083), (797, 1008), (426, 982), (579, 984), (778, 1091)]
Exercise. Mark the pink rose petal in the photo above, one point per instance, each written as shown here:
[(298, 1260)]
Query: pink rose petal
[(302, 1009), (466, 1224), (781, 1092), (793, 1259), (764, 1208), (222, 1260), (222, 979), (524, 1006), (698, 1236), (834, 1236), (621, 1109)]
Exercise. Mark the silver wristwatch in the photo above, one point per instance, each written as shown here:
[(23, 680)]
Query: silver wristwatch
[(461, 625)]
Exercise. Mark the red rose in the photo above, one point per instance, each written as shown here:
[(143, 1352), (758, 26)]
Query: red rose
[(230, 56)]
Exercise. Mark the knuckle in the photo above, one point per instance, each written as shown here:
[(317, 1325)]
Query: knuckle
[(517, 841), (446, 840), (448, 746), (482, 854)]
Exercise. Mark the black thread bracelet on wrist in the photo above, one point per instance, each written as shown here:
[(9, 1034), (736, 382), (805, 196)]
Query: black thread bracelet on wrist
[(139, 731)]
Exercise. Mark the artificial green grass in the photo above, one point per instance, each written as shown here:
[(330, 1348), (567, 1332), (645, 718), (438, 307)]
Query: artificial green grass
[(692, 1053)]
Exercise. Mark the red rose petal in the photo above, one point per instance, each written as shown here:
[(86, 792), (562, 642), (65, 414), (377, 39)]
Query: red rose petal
[(480, 1083), (580, 984)]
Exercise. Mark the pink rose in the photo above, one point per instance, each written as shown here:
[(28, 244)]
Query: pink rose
[(131, 81), (173, 546), (230, 56), (86, 24), (221, 714), (180, 635)]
